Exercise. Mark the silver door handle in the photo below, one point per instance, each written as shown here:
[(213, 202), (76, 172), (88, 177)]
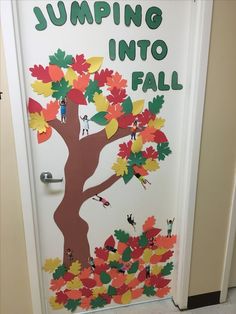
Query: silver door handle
[(46, 177)]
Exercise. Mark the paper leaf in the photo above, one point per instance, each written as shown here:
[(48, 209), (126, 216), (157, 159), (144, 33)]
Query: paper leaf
[(82, 82), (149, 223), (75, 268), (147, 255), (113, 256), (75, 283), (126, 297), (110, 242), (85, 303), (137, 106), (101, 102), (55, 73), (117, 96), (136, 159), (137, 145), (120, 167), (91, 90), (77, 97), (99, 118), (101, 253), (137, 293), (156, 104), (101, 77), (166, 256), (61, 59), (116, 81), (162, 292), (140, 170), (137, 253), (163, 150), (51, 111), (60, 89), (128, 176), (59, 272), (34, 106), (80, 65), (145, 117), (121, 247), (115, 264), (54, 304), (37, 122), (126, 256), (72, 305), (111, 128), (134, 267), (121, 235), (160, 137), (150, 152), (43, 137), (125, 149), (114, 112), (89, 282), (152, 233), (111, 291), (56, 285), (158, 123), (40, 73), (85, 272), (126, 120), (95, 64), (74, 294), (99, 290), (161, 250), (165, 242), (105, 278), (156, 269), (151, 165), (127, 105), (149, 291), (143, 241), (148, 134), (70, 76), (134, 283), (167, 269), (51, 264), (162, 282), (41, 88), (98, 302)]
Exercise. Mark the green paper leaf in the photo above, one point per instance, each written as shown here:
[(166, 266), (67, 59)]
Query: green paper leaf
[(111, 291), (91, 90), (167, 269), (127, 105), (127, 177), (134, 267), (149, 291), (98, 302), (126, 256), (136, 159), (59, 272), (60, 59), (156, 104), (99, 118), (163, 150), (121, 235), (104, 277), (61, 88), (72, 305), (115, 264), (143, 240)]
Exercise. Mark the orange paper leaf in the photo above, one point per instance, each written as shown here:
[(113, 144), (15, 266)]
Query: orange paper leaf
[(148, 134), (140, 170), (121, 247), (57, 284), (51, 111), (149, 223), (43, 137), (55, 72), (137, 293), (165, 242), (118, 282), (82, 82), (162, 292), (85, 273), (74, 294)]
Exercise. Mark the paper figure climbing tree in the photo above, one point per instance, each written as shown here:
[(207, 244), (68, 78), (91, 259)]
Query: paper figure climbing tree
[(80, 82)]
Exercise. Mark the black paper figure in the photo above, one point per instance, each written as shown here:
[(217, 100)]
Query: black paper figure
[(169, 227), (131, 221)]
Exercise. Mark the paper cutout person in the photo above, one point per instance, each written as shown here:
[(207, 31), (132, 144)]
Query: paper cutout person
[(134, 129), (131, 221), (104, 202), (169, 227), (69, 255), (85, 124), (142, 180), (147, 268), (63, 110), (91, 263)]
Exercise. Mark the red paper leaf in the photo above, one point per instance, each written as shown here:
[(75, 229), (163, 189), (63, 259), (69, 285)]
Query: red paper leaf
[(74, 294), (160, 137), (110, 242), (117, 299), (126, 120), (133, 283), (106, 297), (162, 292), (79, 64), (145, 117), (149, 223), (117, 96), (114, 112), (86, 292), (116, 81), (166, 256), (85, 303), (150, 152), (51, 111), (77, 97), (82, 82), (43, 137), (85, 273), (155, 259), (118, 281), (101, 268), (55, 72), (56, 284), (133, 242), (137, 293), (137, 253), (152, 233), (122, 289), (101, 77), (89, 282), (34, 106), (61, 297), (125, 149), (102, 253), (142, 275), (162, 282), (41, 73), (68, 276)]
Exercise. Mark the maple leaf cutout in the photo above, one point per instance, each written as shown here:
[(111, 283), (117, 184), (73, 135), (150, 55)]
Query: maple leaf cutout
[(51, 264), (145, 117), (117, 96), (54, 304), (150, 152), (149, 223), (82, 82), (41, 73), (57, 284), (162, 292), (79, 64), (51, 111), (125, 149), (101, 77), (148, 135), (114, 112), (37, 122), (116, 81), (120, 167)]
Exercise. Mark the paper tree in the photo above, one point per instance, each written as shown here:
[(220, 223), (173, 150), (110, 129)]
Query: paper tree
[(73, 82)]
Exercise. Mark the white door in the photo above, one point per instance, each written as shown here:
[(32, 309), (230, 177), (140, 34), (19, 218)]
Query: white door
[(106, 88)]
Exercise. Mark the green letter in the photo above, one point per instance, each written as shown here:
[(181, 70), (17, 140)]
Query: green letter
[(80, 12), (153, 17), (62, 10), (136, 16), (116, 13), (143, 44), (102, 9), (42, 21), (159, 55), (149, 83), (124, 50), (136, 79), (161, 82), (174, 82), (112, 49)]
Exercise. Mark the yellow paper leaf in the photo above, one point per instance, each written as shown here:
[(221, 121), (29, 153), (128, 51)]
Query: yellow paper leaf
[(101, 102), (120, 167), (41, 88), (111, 128), (137, 106), (161, 251), (51, 264), (37, 122), (70, 76), (126, 297), (129, 278), (137, 145), (158, 123), (75, 283), (151, 165), (95, 64), (99, 290), (147, 255), (54, 304), (113, 256), (75, 268), (156, 269)]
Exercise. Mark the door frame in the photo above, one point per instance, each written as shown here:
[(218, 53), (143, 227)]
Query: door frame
[(194, 104)]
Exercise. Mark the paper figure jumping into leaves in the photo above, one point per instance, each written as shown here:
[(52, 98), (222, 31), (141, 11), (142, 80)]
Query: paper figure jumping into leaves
[(131, 221), (80, 81), (170, 226), (104, 202)]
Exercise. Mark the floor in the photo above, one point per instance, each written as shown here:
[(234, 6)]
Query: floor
[(167, 307)]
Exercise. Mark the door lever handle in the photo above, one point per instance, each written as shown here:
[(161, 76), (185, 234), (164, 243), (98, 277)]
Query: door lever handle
[(46, 177)]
